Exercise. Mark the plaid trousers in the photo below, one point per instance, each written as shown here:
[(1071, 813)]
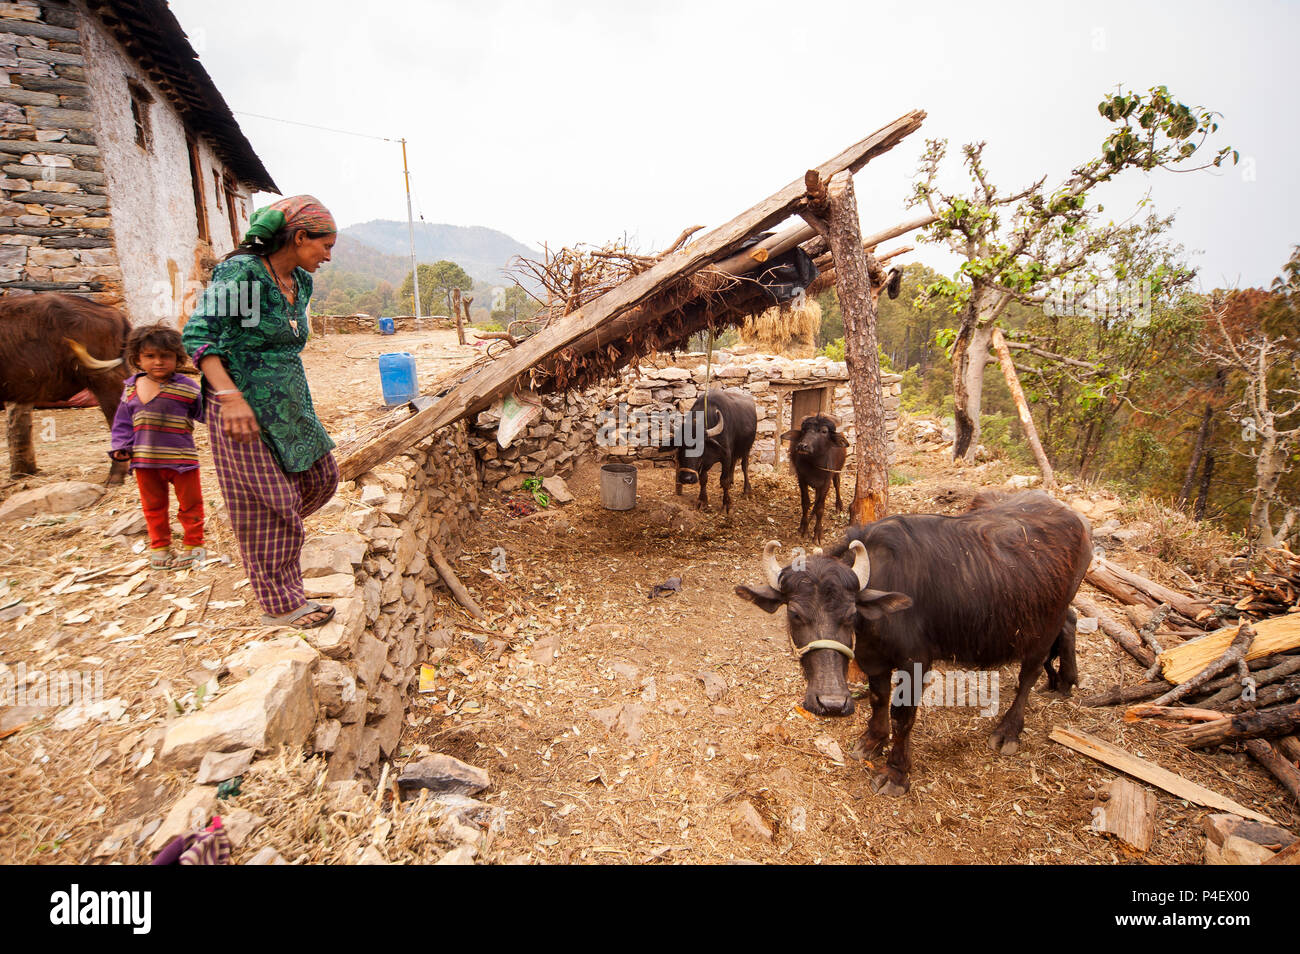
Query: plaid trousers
[(266, 506)]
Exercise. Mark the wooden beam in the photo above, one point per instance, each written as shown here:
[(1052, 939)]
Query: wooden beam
[(1022, 407), (1140, 768), (501, 377)]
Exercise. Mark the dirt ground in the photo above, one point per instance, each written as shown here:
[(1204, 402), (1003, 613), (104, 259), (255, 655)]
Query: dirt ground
[(584, 699)]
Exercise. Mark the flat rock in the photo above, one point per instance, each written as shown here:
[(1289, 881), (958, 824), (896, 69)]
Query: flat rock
[(442, 774), (558, 489), (1219, 827), (715, 687), (462, 855), (63, 497), (219, 766), (274, 706), (624, 718), (130, 524), (239, 824), (335, 553), (748, 825), (544, 650), (253, 656), (333, 586), (338, 638), (266, 856), (1236, 851), (190, 813)]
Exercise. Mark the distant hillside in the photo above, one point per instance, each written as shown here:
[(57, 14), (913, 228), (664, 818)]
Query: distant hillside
[(351, 255), (482, 252)]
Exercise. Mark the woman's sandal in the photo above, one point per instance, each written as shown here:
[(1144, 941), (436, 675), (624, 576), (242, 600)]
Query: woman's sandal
[(188, 557), (161, 559), (291, 619)]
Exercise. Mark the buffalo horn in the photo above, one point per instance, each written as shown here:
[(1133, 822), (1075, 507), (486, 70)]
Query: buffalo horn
[(716, 430), (772, 569), (861, 563), (85, 358)]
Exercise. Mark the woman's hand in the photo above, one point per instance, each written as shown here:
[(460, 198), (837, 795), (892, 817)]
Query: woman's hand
[(238, 421)]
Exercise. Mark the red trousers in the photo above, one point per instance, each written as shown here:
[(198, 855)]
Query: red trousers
[(154, 500)]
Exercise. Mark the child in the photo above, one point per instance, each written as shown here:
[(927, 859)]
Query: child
[(154, 430)]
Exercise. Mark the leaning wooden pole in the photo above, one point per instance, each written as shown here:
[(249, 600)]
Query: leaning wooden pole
[(1026, 419), (861, 353)]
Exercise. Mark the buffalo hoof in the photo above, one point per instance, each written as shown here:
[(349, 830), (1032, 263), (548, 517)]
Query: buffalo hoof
[(883, 784), (1003, 746), (865, 748)]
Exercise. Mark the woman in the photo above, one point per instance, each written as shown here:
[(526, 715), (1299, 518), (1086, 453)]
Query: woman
[(272, 455)]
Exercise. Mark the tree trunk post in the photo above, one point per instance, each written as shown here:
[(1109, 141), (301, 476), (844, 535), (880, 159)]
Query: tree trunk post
[(1026, 419), (861, 353), (22, 454), (455, 307)]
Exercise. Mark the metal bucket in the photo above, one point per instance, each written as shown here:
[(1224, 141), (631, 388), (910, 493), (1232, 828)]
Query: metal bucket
[(618, 486)]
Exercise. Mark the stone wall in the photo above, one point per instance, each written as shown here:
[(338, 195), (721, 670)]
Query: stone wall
[(601, 423), (369, 325), (378, 576), (54, 209)]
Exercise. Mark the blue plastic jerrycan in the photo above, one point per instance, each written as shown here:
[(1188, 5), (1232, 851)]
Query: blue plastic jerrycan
[(397, 377), (387, 326)]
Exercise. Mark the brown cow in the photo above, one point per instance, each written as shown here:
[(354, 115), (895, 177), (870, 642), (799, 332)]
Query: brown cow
[(40, 337)]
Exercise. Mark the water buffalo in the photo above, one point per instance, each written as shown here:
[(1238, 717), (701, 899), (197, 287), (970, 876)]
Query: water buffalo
[(725, 438), (817, 454), (983, 588), (48, 345)]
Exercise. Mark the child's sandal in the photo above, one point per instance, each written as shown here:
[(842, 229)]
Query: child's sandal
[(160, 559), (188, 557)]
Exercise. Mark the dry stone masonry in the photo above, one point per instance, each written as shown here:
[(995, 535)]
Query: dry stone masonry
[(629, 418), (54, 210)]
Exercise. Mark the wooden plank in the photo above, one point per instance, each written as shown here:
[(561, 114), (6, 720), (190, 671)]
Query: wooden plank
[(1128, 812), (1271, 636), (501, 377), (1140, 768)]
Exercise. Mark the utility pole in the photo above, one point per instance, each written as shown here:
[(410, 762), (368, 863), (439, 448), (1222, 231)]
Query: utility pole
[(410, 230)]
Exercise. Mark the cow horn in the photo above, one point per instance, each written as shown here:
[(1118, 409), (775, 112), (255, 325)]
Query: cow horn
[(817, 551), (861, 563), (86, 360), (715, 431), (772, 569)]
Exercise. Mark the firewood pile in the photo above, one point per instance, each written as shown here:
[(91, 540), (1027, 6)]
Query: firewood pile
[(1268, 584), (1233, 686)]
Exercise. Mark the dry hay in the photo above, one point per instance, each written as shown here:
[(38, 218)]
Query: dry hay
[(789, 329)]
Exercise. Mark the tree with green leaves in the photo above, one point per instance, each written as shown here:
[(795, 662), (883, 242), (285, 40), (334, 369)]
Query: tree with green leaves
[(436, 282), (1017, 247), (513, 303)]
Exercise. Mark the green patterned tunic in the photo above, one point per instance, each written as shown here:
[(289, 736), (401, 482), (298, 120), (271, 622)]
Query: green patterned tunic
[(244, 318)]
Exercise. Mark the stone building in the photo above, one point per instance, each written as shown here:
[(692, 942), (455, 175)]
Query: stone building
[(122, 170)]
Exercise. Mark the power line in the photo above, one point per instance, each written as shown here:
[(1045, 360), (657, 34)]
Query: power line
[(294, 122)]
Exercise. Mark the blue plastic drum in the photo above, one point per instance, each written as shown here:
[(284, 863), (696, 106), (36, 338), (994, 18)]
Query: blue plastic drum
[(387, 326), (397, 377)]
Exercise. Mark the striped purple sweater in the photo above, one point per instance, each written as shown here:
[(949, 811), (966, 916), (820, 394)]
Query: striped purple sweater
[(160, 433)]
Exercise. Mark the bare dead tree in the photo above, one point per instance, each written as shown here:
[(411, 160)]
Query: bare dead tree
[(1268, 370)]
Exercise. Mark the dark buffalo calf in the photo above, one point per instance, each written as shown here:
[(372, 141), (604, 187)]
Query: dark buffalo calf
[(983, 588), (817, 454)]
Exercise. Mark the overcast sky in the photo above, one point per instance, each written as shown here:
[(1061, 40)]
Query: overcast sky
[(579, 121)]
